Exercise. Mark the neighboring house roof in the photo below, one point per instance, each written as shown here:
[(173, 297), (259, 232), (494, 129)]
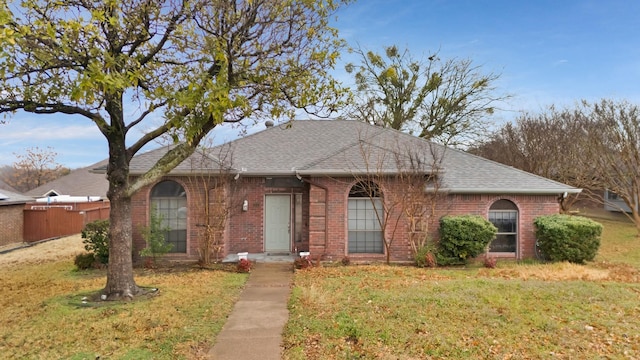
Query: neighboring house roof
[(342, 148), (12, 198), (79, 182), (7, 187)]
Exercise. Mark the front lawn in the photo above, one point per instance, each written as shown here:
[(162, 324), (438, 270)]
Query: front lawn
[(43, 317), (516, 311)]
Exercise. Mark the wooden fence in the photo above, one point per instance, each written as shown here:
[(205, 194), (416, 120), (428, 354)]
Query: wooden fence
[(43, 221)]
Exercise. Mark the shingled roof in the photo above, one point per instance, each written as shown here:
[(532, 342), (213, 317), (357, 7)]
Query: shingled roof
[(79, 182), (12, 198), (342, 148)]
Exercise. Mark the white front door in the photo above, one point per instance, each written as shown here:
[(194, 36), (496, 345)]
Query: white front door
[(277, 223)]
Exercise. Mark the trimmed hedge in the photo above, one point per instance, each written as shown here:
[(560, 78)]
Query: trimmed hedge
[(463, 237), (568, 238)]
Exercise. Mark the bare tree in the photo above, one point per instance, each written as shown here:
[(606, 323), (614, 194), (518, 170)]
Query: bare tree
[(594, 146), (614, 151), (550, 144), (402, 182), (444, 101), (34, 168), (212, 174), (422, 194)]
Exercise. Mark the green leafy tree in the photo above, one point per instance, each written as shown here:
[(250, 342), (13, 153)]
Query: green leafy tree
[(165, 68), (445, 101)]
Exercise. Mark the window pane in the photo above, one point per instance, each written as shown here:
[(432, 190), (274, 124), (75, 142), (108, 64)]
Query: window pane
[(507, 223), (365, 235), (503, 243)]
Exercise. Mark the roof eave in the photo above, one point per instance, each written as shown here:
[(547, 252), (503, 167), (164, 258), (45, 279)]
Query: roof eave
[(512, 191)]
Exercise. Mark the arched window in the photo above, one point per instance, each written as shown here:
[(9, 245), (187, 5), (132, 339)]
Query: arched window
[(504, 215), (365, 213), (169, 201)]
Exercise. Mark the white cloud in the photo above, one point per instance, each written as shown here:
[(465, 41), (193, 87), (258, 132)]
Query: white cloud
[(13, 133)]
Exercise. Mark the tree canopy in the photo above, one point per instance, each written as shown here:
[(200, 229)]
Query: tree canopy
[(445, 101), (173, 68)]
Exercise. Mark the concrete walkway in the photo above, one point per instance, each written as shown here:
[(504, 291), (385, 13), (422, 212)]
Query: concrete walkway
[(254, 328)]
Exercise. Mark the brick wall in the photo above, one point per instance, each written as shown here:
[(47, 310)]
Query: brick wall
[(529, 207), (328, 236), (246, 228), (11, 224), (325, 231), (196, 198)]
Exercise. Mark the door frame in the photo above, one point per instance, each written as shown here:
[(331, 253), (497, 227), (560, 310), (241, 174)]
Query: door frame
[(289, 219)]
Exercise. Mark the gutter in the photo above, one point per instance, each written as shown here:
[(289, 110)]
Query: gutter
[(512, 191)]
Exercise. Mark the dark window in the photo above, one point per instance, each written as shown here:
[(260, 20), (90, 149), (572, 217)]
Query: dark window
[(612, 196), (169, 201), (503, 214)]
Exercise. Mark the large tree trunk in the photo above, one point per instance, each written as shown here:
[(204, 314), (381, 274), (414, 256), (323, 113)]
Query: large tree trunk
[(120, 282)]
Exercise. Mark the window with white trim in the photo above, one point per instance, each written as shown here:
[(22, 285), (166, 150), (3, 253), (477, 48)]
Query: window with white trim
[(503, 214), (365, 212), (169, 201)]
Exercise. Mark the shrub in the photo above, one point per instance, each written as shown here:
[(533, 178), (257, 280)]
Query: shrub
[(346, 261), (154, 237), (568, 238), (425, 257), (244, 266), (463, 237), (95, 237), (490, 262), (85, 261), (302, 262)]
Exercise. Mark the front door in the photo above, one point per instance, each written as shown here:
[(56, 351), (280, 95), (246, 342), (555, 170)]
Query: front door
[(277, 223)]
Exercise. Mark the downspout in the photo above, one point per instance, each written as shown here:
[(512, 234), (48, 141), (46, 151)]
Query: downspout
[(326, 208)]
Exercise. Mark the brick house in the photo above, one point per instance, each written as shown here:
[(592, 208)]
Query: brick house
[(299, 187), (12, 217)]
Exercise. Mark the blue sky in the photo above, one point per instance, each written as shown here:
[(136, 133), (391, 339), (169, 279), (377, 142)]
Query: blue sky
[(547, 52)]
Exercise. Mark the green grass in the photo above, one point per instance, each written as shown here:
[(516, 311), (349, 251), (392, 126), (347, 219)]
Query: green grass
[(517, 311), (620, 243), (41, 317), (377, 312)]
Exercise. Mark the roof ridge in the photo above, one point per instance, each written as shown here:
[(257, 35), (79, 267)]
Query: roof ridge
[(266, 128)]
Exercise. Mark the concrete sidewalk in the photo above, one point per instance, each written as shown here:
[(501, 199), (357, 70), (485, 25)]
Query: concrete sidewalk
[(254, 328)]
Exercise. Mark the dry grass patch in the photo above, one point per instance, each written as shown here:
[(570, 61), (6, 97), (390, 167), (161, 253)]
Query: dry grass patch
[(41, 319), (549, 272), (382, 312), (515, 311), (52, 250)]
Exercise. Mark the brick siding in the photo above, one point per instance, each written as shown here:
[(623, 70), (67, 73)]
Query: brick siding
[(325, 231), (11, 224)]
